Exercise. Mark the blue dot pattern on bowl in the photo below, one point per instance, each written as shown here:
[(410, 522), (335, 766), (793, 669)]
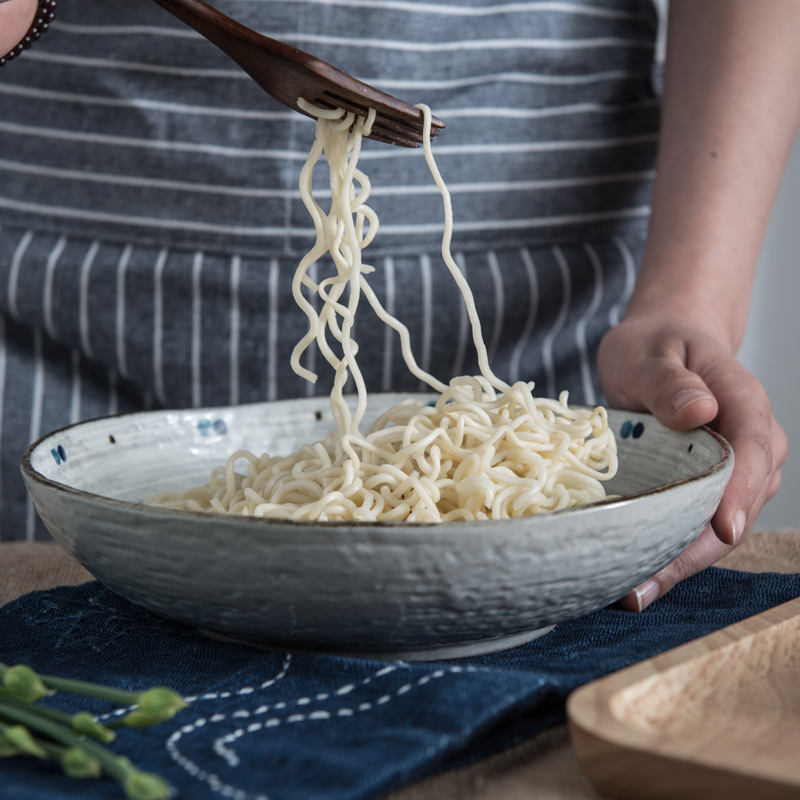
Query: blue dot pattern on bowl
[(207, 427), (59, 454), (629, 429)]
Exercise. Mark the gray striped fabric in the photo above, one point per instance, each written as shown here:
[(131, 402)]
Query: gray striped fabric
[(551, 123), (151, 220)]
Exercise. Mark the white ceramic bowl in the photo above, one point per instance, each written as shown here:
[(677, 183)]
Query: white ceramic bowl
[(399, 590)]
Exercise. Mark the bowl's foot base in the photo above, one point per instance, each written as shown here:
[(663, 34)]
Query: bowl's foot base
[(434, 653)]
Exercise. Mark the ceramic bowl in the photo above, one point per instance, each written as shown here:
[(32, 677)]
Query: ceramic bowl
[(397, 590)]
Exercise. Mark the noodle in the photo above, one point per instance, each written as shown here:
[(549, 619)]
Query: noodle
[(486, 450)]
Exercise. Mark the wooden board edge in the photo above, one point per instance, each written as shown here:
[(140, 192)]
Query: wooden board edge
[(609, 749), (628, 773)]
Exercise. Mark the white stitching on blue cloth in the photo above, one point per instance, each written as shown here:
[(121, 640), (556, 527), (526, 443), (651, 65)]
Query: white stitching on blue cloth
[(220, 744), (193, 769), (118, 712)]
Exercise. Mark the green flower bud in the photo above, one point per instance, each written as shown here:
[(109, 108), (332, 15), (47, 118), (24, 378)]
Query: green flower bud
[(79, 764), (155, 705), (161, 702), (137, 719), (7, 750), (23, 684), (145, 786), (19, 737), (86, 724)]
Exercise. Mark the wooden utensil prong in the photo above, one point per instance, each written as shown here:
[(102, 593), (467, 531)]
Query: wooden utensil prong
[(381, 132), (392, 131), (393, 140)]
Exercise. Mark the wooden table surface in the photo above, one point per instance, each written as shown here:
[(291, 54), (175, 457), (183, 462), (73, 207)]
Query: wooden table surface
[(544, 767)]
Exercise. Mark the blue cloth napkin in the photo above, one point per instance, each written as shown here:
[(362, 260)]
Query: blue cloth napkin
[(313, 727)]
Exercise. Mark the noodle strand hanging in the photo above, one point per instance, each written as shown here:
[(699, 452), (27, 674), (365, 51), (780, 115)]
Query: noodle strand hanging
[(485, 450)]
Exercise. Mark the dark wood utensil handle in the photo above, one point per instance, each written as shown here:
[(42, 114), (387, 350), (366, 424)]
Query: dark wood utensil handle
[(287, 73)]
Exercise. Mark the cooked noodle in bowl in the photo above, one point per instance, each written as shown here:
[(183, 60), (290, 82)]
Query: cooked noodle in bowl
[(485, 450)]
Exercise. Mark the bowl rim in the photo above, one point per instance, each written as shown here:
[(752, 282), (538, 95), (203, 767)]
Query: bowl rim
[(724, 463)]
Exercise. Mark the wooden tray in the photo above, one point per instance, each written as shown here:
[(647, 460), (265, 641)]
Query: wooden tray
[(715, 718)]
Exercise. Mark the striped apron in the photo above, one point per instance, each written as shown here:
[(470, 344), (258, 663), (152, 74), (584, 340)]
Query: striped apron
[(150, 220)]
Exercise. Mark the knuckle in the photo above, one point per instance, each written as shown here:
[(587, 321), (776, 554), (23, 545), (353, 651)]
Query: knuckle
[(686, 564), (754, 460), (689, 562), (774, 485), (704, 551), (762, 445), (780, 448), (668, 347)]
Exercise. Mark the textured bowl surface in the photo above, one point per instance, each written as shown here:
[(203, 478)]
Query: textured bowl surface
[(394, 589)]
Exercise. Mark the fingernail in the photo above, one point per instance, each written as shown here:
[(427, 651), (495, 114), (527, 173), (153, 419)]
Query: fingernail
[(686, 397), (646, 593), (739, 521)]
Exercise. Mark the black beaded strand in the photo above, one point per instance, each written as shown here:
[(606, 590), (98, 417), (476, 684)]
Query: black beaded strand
[(41, 22)]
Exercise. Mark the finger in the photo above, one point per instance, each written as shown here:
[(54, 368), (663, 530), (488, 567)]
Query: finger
[(780, 444), (746, 422), (780, 448), (676, 396), (704, 551), (768, 491), (663, 385), (774, 485)]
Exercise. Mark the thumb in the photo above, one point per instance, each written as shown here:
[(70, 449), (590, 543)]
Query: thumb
[(659, 382)]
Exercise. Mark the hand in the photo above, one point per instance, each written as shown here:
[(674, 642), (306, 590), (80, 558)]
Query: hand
[(15, 19), (726, 131), (685, 377)]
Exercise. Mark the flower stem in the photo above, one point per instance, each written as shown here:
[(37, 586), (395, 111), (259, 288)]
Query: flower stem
[(81, 723), (117, 767), (119, 696)]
